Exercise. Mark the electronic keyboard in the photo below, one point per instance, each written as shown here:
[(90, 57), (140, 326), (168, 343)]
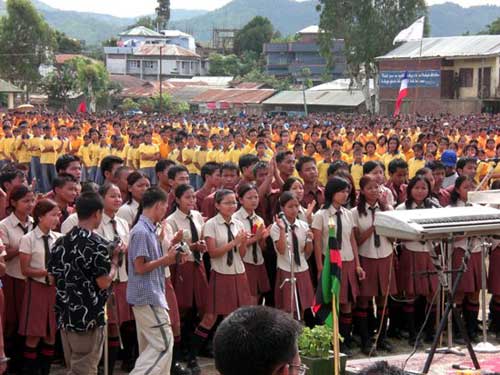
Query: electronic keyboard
[(438, 223)]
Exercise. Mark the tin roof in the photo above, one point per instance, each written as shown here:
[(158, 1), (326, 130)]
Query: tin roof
[(454, 46), (8, 87), (141, 31), (333, 98), (233, 96), (166, 50)]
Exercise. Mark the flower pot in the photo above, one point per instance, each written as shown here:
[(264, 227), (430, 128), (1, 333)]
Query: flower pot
[(323, 366)]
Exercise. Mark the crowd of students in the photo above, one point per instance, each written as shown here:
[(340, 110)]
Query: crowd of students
[(250, 198)]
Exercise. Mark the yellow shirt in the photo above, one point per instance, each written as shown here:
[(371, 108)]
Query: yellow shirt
[(387, 158), (213, 155), (189, 154), (103, 152), (374, 157), (21, 150), (8, 147), (200, 157), (147, 150), (173, 155), (48, 157), (133, 157), (414, 165), (94, 151), (164, 150), (356, 173), (35, 142), (234, 155), (84, 152), (323, 172), (120, 153)]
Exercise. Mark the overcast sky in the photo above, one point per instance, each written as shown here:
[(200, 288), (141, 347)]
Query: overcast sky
[(132, 8)]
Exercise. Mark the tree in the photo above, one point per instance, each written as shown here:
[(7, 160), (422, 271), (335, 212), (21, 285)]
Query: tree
[(493, 28), (65, 44), (26, 42), (221, 65), (60, 83), (146, 21), (162, 14), (129, 104), (253, 36), (368, 29)]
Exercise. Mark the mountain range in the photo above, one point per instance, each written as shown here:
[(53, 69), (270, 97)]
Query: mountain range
[(287, 16)]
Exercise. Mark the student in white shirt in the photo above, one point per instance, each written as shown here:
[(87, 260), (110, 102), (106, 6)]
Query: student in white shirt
[(138, 183), (415, 260), (376, 169), (376, 258), (467, 296), (115, 230), (12, 229), (295, 185), (38, 320)]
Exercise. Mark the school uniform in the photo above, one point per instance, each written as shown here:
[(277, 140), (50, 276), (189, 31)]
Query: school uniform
[(471, 278), (413, 260), (190, 279), (11, 232), (228, 287), (305, 291), (375, 257), (349, 290), (119, 310), (253, 259), (70, 222), (128, 212), (37, 314)]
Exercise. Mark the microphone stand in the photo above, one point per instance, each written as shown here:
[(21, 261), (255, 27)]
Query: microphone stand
[(292, 280)]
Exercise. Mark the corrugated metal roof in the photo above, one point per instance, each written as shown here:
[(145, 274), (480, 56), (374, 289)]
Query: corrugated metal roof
[(146, 90), (8, 87), (127, 81), (334, 98), (186, 94), (167, 50), (233, 96), (454, 46), (219, 81), (338, 84), (313, 29), (141, 31)]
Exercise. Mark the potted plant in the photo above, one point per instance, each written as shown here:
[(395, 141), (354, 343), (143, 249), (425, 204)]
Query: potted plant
[(315, 351)]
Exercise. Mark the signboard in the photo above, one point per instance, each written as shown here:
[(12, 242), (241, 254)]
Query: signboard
[(421, 78)]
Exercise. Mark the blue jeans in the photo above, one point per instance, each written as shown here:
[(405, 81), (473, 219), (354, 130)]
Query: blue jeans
[(36, 172), (150, 173), (48, 175), (195, 180), (92, 174)]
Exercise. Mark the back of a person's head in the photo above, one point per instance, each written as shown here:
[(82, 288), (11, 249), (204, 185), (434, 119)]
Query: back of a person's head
[(88, 204), (255, 340), (382, 368)]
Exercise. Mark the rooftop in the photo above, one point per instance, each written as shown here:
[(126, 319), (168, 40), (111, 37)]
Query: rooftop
[(454, 46), (334, 98), (141, 31), (8, 87), (166, 50), (313, 29), (235, 96)]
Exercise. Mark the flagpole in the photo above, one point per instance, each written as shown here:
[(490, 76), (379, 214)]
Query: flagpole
[(335, 337), (417, 77)]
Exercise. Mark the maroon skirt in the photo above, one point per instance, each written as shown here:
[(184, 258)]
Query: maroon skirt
[(379, 274), (227, 293), (471, 279), (38, 318), (122, 312), (173, 309), (257, 279), (13, 290), (282, 295), (349, 287), (493, 272), (411, 280), (191, 286)]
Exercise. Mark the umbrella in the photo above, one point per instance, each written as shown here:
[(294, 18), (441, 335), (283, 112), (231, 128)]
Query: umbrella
[(25, 108)]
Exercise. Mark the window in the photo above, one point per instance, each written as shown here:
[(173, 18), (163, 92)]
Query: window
[(134, 64), (466, 77), (149, 64)]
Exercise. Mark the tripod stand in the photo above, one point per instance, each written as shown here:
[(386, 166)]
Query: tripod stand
[(294, 300), (444, 319)]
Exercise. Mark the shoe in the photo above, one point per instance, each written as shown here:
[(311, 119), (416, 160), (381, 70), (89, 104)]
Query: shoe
[(194, 367), (179, 369), (385, 346), (345, 349)]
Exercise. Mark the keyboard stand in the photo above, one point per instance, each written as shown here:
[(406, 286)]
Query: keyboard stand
[(444, 319)]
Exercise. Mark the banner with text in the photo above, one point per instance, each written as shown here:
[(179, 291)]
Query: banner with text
[(421, 78)]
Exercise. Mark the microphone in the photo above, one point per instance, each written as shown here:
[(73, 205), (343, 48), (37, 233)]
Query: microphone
[(282, 216)]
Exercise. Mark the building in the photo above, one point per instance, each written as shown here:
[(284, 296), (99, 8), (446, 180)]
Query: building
[(451, 74), (11, 91), (139, 51), (288, 59)]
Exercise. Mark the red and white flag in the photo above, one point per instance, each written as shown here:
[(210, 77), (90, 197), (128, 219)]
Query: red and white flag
[(403, 93)]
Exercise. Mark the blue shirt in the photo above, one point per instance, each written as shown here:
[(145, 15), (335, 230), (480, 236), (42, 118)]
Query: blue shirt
[(149, 288)]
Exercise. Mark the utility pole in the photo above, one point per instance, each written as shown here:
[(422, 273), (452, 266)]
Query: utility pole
[(161, 85)]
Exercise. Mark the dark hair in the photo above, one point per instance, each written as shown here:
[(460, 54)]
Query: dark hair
[(89, 186), (103, 190), (163, 164), (371, 165), (286, 197), (152, 196), (245, 188), (63, 179), (454, 195), (18, 193), (396, 164), (423, 171), (260, 166), (174, 170), (255, 340), (435, 165), (336, 166), (365, 180), (64, 161), (178, 193), (495, 185), (303, 160), (287, 186), (393, 138), (409, 199), (462, 162), (119, 170), (209, 169), (333, 186), (41, 208), (247, 160), (280, 156), (88, 204), (9, 174), (382, 368), (108, 162), (221, 193), (229, 166), (351, 201)]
